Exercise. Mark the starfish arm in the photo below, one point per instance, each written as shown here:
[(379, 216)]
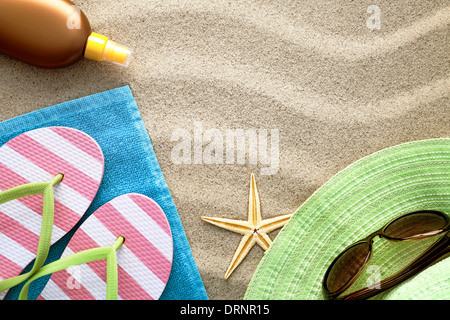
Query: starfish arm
[(238, 226), (247, 242), (263, 240), (274, 223), (254, 209)]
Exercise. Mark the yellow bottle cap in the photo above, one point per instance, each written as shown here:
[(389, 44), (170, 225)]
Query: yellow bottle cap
[(100, 48)]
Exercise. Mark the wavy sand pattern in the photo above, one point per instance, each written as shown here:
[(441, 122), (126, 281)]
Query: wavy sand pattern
[(336, 91)]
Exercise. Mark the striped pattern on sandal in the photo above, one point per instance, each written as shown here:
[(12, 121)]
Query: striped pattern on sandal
[(38, 156), (144, 260)]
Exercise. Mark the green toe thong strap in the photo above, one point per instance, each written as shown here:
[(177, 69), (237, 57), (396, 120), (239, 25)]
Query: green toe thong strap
[(108, 253), (48, 209)]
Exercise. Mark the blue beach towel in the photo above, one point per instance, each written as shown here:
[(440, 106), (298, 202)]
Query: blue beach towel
[(112, 118)]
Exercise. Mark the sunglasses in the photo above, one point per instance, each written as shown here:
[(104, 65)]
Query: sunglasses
[(349, 264)]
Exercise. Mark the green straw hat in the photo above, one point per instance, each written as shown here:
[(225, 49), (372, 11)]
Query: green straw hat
[(356, 202)]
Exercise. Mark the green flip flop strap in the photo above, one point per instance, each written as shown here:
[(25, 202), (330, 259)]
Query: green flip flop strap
[(48, 209), (108, 253)]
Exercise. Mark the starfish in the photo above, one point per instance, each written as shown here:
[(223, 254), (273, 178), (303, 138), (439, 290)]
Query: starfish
[(255, 229)]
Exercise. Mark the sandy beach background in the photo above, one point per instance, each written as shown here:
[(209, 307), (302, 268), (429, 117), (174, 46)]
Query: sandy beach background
[(331, 84)]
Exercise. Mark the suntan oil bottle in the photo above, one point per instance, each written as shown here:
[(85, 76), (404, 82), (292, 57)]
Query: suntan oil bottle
[(53, 34)]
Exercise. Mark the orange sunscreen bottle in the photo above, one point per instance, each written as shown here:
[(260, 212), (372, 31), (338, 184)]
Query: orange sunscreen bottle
[(53, 34)]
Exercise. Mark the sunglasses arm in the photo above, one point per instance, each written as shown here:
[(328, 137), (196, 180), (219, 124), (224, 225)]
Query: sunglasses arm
[(436, 251)]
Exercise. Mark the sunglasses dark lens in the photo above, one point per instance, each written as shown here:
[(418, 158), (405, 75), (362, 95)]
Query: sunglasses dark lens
[(417, 224), (347, 266)]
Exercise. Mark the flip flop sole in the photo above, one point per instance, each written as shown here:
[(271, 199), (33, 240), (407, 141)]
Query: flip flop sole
[(38, 156), (144, 260)]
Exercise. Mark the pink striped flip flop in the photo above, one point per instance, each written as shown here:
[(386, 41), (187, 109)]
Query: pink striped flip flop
[(38, 156), (144, 260)]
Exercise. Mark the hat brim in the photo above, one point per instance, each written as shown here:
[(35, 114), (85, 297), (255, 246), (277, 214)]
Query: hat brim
[(357, 201)]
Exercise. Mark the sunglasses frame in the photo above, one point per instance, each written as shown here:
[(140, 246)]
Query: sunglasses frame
[(432, 254)]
